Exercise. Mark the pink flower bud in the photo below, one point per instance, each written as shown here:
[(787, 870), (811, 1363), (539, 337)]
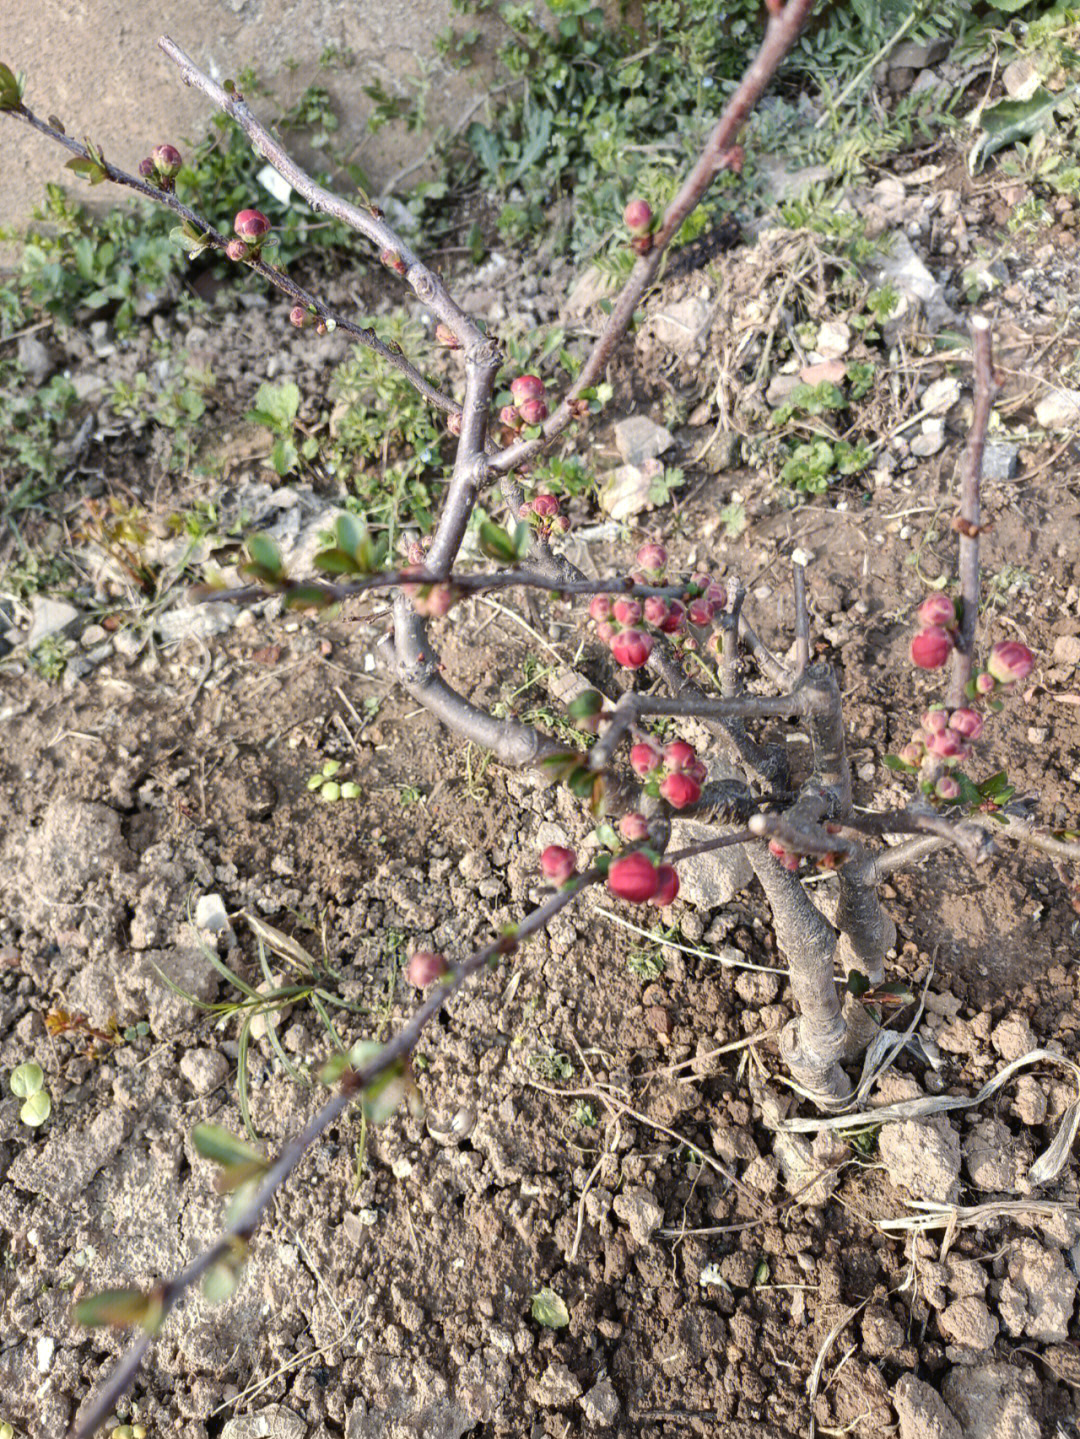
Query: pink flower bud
[(637, 217), (526, 387), (627, 611), (546, 505), (644, 758), (652, 557), (696, 771), (947, 745), (600, 608), (633, 877), (680, 790), (533, 412), (938, 609), (236, 250), (930, 648), (699, 612), (298, 316), (679, 755), (425, 968), (1010, 661), (667, 886), (934, 721), (561, 524), (966, 723), (393, 261), (655, 610), (912, 753), (676, 617), (985, 684), (947, 787), (558, 864), (167, 160), (445, 336), (606, 631), (453, 423), (251, 225), (634, 827), (716, 596), (147, 168), (631, 648), (510, 417), (783, 856)]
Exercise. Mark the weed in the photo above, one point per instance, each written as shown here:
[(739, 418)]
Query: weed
[(552, 1065), (646, 962), (585, 1115), (27, 1082), (49, 658)]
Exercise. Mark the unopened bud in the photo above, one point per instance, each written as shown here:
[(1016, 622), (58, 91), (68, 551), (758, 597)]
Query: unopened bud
[(1010, 661), (600, 608), (251, 225), (967, 723), (393, 261), (637, 217), (425, 968), (526, 387), (938, 609), (930, 648), (167, 160), (533, 412), (627, 611), (446, 336), (634, 828), (147, 168), (558, 863), (947, 788), (644, 758), (453, 423), (236, 250), (298, 316), (631, 648), (652, 558)]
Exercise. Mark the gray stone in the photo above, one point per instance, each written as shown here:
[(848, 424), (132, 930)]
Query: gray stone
[(1021, 78), (204, 1069), (639, 439), (781, 388), (708, 881), (36, 359), (922, 1412), (930, 443), (909, 55), (969, 1323), (601, 1404), (48, 618), (902, 268), (679, 326), (144, 992), (780, 182), (128, 643), (61, 1169), (1001, 460), (198, 621), (639, 1211), (1038, 1293), (211, 914), (1059, 410), (273, 1422), (922, 1156)]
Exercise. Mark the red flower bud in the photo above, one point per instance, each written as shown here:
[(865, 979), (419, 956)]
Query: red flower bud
[(627, 612), (679, 755), (652, 557), (510, 417), (676, 617), (716, 596), (644, 758), (526, 387), (561, 525), (783, 856), (167, 160), (930, 648), (298, 316), (947, 787), (1010, 661), (236, 250), (967, 723), (147, 168), (546, 505), (912, 753), (425, 968), (533, 412), (934, 721), (637, 217), (938, 609), (631, 648), (251, 225), (633, 877), (668, 886), (699, 612), (985, 684), (558, 864), (445, 336), (606, 631), (634, 827), (680, 790), (393, 261), (947, 745), (453, 423), (656, 611), (696, 771), (600, 608)]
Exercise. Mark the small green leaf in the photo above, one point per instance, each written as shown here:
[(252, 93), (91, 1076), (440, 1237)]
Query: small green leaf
[(349, 533), (11, 90), (37, 1109), (586, 705), (761, 1273), (550, 1310), (607, 837), (330, 791), (337, 562), (497, 544), (331, 767), (308, 597), (315, 781), (898, 765), (26, 1079), (857, 982), (284, 456), (265, 557), (237, 1160), (220, 1283), (116, 1307), (350, 790)]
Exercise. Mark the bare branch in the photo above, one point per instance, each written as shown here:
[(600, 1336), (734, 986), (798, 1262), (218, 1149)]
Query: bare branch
[(802, 619), (969, 521)]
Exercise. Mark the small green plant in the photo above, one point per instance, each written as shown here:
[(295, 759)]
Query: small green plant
[(49, 658), (27, 1082), (276, 408), (552, 1065), (646, 963), (585, 1115), (325, 783), (549, 1309)]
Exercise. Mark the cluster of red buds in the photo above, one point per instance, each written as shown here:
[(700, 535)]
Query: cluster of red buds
[(162, 166), (430, 600), (544, 515), (639, 878), (638, 219), (252, 228), (302, 317), (623, 623), (673, 772), (393, 261), (933, 642), (529, 405)]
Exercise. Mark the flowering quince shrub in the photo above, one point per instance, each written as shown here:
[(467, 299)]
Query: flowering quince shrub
[(665, 646)]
